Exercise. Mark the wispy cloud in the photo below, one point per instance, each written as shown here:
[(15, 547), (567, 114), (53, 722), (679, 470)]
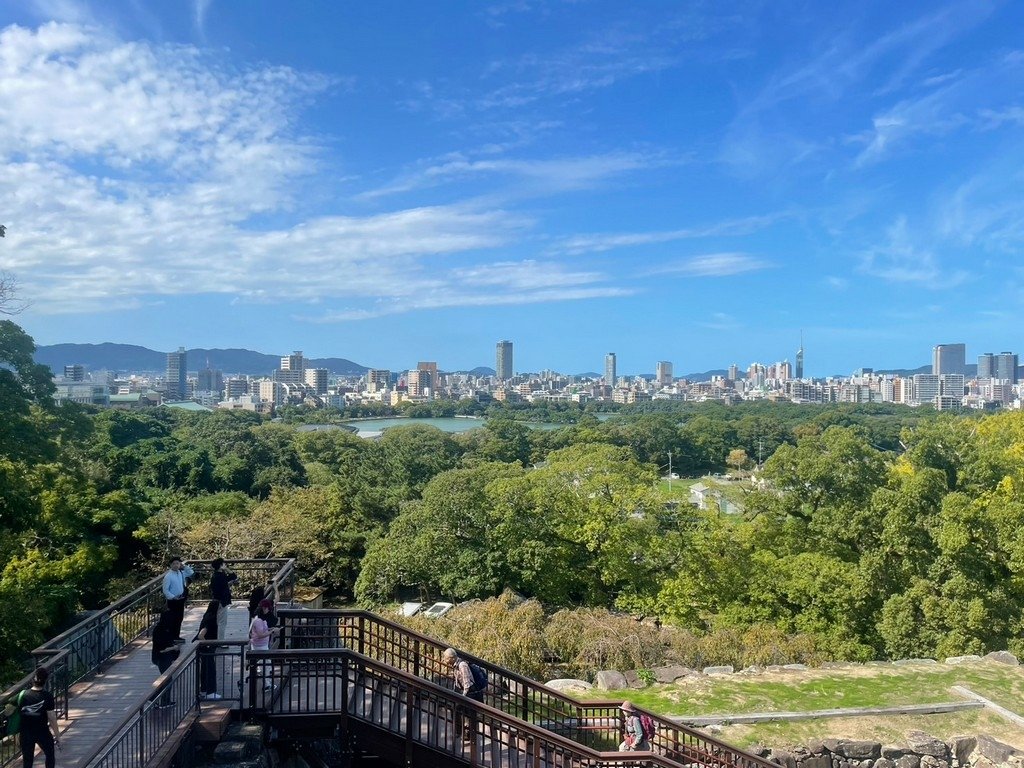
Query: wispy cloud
[(199, 10), (713, 265), (595, 243), (789, 120), (985, 98), (534, 176), (845, 61), (451, 298), (902, 260), (719, 321)]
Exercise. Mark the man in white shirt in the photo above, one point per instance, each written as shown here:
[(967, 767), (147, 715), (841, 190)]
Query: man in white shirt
[(176, 592)]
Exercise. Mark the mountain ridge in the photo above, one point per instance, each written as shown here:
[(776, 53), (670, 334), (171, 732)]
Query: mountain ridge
[(132, 357)]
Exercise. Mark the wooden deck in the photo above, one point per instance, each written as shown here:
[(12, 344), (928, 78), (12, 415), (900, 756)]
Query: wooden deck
[(97, 706)]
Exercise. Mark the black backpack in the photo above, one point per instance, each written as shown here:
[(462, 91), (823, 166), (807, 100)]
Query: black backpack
[(479, 677)]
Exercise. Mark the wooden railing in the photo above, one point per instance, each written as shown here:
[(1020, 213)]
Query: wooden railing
[(594, 725)]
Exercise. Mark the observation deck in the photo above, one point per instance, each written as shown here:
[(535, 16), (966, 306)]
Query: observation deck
[(341, 685)]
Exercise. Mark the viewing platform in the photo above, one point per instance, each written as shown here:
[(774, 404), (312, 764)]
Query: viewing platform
[(352, 680)]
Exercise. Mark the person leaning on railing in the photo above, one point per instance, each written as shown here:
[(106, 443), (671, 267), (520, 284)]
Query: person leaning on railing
[(37, 720)]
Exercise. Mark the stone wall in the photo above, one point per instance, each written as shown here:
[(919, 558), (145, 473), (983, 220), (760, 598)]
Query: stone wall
[(919, 751)]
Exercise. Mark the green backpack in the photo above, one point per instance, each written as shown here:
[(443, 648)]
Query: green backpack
[(14, 719)]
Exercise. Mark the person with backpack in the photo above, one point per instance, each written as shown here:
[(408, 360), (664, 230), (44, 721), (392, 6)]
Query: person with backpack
[(470, 680), (635, 737), (36, 714)]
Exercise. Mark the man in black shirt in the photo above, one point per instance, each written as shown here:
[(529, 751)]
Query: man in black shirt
[(38, 724), (220, 589)]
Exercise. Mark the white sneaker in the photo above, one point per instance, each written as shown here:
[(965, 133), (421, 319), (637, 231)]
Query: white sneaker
[(212, 696)]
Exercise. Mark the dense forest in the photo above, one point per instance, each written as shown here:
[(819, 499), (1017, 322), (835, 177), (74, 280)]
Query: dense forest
[(872, 531)]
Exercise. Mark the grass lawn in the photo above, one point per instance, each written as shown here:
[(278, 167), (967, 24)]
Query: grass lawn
[(855, 687)]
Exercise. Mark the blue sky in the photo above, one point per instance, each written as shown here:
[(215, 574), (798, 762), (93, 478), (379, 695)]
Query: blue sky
[(401, 181)]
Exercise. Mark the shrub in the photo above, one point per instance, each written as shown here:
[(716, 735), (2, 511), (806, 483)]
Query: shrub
[(585, 640)]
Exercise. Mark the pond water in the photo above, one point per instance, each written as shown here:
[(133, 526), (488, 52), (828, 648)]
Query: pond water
[(374, 427)]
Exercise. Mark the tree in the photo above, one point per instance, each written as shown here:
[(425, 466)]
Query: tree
[(738, 459)]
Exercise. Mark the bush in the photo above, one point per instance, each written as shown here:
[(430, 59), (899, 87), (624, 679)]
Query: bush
[(505, 630), (586, 640)]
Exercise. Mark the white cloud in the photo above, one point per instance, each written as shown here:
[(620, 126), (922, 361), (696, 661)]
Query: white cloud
[(900, 259), (713, 265), (720, 321), (135, 171), (199, 10), (544, 177), (595, 243)]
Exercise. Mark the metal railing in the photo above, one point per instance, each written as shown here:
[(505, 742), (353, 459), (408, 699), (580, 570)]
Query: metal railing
[(594, 725), (83, 650), (422, 716)]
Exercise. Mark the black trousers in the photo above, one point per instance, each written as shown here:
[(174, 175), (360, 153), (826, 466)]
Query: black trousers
[(164, 661), (32, 736), (177, 610), (207, 672)]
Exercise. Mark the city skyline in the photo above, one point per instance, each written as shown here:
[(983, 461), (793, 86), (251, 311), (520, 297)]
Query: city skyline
[(387, 183)]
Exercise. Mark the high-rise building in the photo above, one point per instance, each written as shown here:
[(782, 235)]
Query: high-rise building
[(663, 373), (292, 370), (734, 372), (1006, 367), (209, 380), (503, 361), (236, 387), (609, 369), (74, 373), (419, 383), (926, 387), (176, 378), (949, 358), (272, 391), (430, 368), (378, 379), (800, 358), (986, 366), (952, 385), (316, 379)]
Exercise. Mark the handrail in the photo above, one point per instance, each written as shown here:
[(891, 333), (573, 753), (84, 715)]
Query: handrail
[(81, 650), (397, 690), (420, 655)]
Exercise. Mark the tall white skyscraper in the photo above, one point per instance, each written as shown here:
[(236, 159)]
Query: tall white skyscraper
[(503, 361), (609, 369)]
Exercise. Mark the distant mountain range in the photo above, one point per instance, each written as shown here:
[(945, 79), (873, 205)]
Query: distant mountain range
[(129, 357)]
